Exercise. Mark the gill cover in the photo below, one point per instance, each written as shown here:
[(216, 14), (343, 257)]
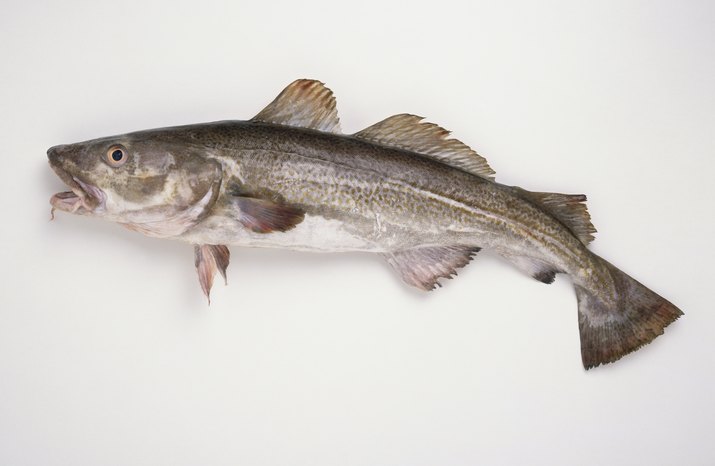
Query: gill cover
[(158, 188)]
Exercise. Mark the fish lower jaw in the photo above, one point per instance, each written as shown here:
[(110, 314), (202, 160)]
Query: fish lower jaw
[(82, 199), (68, 201)]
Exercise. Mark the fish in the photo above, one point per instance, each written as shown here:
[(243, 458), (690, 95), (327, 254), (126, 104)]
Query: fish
[(403, 189)]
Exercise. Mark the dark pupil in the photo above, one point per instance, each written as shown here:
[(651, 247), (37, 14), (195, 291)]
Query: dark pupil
[(117, 155)]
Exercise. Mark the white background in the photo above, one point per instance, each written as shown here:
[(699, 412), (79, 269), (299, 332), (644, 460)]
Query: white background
[(109, 354)]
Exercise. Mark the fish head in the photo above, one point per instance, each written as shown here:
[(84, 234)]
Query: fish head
[(157, 187)]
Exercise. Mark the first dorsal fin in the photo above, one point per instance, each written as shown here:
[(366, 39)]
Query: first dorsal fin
[(569, 209), (305, 103), (409, 132)]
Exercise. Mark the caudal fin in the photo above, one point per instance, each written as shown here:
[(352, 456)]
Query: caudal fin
[(613, 326)]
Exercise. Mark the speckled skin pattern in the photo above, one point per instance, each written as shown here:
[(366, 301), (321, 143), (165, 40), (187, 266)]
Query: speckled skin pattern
[(353, 195), (389, 199)]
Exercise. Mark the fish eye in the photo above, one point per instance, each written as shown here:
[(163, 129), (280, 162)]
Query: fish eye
[(116, 156)]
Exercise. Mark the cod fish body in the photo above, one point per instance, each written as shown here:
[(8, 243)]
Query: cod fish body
[(401, 188)]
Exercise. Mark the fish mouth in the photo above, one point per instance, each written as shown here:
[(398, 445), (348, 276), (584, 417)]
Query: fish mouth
[(83, 198)]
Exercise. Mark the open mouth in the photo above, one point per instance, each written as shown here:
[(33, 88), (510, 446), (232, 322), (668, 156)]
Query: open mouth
[(82, 199)]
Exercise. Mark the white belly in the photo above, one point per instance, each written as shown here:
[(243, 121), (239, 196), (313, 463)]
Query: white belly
[(314, 233)]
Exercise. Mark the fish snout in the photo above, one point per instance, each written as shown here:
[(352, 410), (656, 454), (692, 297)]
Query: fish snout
[(54, 154)]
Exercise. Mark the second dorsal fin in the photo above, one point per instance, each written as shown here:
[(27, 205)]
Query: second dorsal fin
[(305, 103), (409, 132)]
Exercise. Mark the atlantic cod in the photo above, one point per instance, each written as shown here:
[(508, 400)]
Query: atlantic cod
[(401, 188)]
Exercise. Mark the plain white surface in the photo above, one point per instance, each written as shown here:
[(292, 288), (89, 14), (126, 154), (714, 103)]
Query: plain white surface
[(109, 354)]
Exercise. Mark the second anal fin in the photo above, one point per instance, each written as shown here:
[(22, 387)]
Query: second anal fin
[(535, 268), (422, 267)]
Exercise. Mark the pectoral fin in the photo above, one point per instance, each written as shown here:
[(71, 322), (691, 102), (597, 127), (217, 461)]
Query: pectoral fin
[(208, 259), (265, 216)]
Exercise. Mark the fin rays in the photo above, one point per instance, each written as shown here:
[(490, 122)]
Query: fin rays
[(209, 259), (409, 132), (305, 103), (612, 326), (422, 267), (569, 209)]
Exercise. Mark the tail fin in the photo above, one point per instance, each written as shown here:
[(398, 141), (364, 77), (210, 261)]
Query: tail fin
[(613, 326)]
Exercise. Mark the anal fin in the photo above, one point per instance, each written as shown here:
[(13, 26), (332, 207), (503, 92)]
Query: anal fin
[(422, 267)]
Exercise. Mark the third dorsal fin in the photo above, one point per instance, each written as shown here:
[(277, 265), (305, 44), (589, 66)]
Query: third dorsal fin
[(409, 132), (569, 209), (305, 103)]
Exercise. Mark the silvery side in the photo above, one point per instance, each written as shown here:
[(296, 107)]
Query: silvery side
[(401, 188)]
